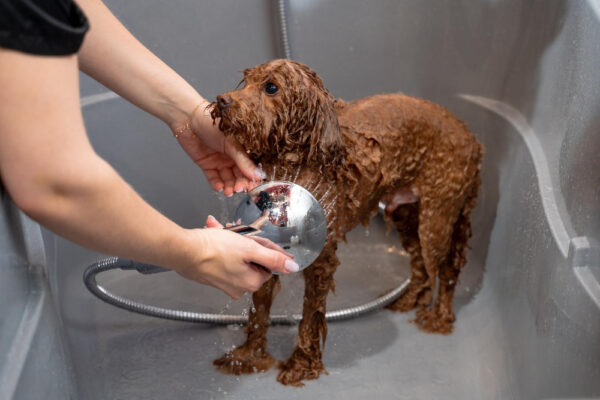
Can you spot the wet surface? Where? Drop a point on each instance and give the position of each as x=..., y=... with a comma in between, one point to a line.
x=372, y=264
x=137, y=357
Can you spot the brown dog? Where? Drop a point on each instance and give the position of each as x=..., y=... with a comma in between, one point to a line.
x=412, y=154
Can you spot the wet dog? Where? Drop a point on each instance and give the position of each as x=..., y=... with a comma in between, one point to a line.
x=409, y=153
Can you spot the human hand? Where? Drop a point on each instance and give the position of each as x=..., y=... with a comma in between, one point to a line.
x=225, y=164
x=226, y=260
x=211, y=222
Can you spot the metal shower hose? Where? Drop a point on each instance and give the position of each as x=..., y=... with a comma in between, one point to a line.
x=107, y=264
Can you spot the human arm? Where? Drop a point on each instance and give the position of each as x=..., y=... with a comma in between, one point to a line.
x=53, y=174
x=111, y=55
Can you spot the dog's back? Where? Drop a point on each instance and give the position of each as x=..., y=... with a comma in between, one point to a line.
x=401, y=143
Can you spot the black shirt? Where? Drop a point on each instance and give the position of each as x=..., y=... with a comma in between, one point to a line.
x=45, y=27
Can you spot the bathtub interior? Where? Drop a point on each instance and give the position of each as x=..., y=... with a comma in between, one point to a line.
x=522, y=75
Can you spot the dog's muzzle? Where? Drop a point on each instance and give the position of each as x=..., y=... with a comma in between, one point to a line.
x=224, y=101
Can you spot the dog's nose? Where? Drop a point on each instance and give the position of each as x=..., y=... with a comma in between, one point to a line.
x=224, y=101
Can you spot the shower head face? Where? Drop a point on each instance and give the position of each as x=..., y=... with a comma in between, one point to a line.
x=290, y=216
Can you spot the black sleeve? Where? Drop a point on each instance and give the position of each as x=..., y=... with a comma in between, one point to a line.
x=45, y=27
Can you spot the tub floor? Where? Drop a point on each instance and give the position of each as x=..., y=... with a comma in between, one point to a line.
x=382, y=354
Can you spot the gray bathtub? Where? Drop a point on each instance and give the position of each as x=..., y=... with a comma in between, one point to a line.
x=524, y=75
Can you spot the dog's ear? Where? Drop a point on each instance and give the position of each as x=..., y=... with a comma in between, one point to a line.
x=320, y=130
x=326, y=145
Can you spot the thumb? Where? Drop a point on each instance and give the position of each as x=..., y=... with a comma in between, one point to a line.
x=273, y=260
x=211, y=222
x=246, y=166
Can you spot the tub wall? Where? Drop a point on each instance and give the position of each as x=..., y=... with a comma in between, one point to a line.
x=34, y=362
x=525, y=64
x=543, y=57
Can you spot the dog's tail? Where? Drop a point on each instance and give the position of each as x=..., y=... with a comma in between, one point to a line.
x=462, y=228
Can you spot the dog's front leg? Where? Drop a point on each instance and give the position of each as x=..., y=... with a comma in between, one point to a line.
x=305, y=362
x=252, y=356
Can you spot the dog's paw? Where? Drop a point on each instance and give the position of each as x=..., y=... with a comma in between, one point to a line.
x=433, y=321
x=299, y=368
x=244, y=361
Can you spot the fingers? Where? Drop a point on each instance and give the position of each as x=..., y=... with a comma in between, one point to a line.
x=253, y=281
x=235, y=294
x=211, y=222
x=246, y=166
x=214, y=179
x=223, y=160
x=276, y=261
x=241, y=182
x=260, y=278
x=270, y=245
x=228, y=180
x=232, y=262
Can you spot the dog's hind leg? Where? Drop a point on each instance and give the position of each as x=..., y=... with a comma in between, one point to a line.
x=418, y=293
x=437, y=219
x=440, y=318
x=306, y=360
x=252, y=356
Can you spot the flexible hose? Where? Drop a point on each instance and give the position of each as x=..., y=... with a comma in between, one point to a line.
x=283, y=28
x=89, y=278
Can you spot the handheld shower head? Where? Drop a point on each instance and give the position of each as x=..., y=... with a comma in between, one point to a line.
x=288, y=215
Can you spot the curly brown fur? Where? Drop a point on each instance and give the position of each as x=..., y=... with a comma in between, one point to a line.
x=410, y=153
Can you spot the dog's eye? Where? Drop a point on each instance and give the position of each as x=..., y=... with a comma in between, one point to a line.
x=271, y=88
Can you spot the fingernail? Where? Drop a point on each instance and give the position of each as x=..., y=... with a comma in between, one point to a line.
x=240, y=190
x=211, y=217
x=291, y=266
x=259, y=173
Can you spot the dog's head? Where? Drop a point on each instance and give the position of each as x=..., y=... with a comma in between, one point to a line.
x=282, y=112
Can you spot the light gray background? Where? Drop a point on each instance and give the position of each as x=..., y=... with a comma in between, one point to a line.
x=527, y=328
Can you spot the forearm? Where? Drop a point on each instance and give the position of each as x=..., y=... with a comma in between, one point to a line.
x=111, y=55
x=51, y=171
x=90, y=204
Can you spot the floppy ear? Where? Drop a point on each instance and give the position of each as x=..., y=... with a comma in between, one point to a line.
x=321, y=123
x=326, y=145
